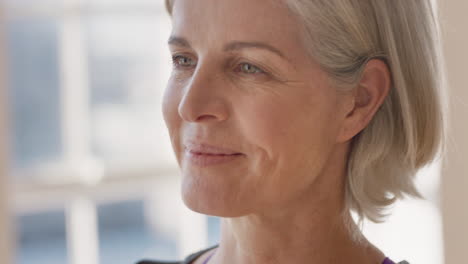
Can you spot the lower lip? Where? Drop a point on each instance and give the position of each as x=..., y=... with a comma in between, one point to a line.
x=204, y=160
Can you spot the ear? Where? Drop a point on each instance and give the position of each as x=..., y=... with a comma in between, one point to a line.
x=365, y=99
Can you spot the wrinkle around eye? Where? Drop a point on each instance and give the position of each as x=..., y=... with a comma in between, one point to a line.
x=265, y=70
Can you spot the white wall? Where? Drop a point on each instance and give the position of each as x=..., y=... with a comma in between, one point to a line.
x=454, y=173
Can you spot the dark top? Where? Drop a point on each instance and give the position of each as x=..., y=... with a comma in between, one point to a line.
x=188, y=260
x=192, y=257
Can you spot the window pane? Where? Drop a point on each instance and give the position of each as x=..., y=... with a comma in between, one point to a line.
x=41, y=238
x=125, y=235
x=34, y=90
x=128, y=68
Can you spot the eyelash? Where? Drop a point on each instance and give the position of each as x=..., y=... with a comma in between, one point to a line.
x=177, y=66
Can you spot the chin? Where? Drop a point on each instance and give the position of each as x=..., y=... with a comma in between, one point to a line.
x=207, y=202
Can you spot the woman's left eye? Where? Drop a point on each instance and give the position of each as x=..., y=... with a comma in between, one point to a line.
x=250, y=69
x=182, y=61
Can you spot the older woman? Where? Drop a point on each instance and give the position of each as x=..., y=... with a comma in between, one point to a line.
x=287, y=115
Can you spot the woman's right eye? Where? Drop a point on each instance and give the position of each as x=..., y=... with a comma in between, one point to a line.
x=182, y=61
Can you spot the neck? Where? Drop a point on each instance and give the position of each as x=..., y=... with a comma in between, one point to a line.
x=303, y=231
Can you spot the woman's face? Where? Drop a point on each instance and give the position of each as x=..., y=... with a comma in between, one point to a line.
x=242, y=81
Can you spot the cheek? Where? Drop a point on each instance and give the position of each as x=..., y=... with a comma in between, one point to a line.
x=169, y=105
x=169, y=108
x=170, y=102
x=287, y=126
x=292, y=140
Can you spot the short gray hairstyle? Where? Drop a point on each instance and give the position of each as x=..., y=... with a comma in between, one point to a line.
x=408, y=131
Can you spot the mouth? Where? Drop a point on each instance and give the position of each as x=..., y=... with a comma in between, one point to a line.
x=203, y=159
x=209, y=150
x=212, y=154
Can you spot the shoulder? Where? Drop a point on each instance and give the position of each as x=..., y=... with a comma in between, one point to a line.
x=188, y=260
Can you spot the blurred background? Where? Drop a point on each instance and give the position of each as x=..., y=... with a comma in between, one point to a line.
x=87, y=173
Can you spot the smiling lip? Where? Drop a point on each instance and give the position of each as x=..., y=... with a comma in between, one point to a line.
x=204, y=155
x=205, y=160
x=205, y=149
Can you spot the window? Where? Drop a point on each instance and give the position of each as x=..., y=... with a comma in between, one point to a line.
x=92, y=163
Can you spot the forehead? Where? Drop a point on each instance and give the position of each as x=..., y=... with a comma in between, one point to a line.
x=217, y=21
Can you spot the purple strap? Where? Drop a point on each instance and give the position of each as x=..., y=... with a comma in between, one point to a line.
x=206, y=261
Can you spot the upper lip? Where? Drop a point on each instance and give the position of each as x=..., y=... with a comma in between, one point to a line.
x=203, y=148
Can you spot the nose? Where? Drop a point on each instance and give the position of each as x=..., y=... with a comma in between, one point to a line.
x=202, y=99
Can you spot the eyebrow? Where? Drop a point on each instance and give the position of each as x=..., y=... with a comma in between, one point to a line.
x=232, y=46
